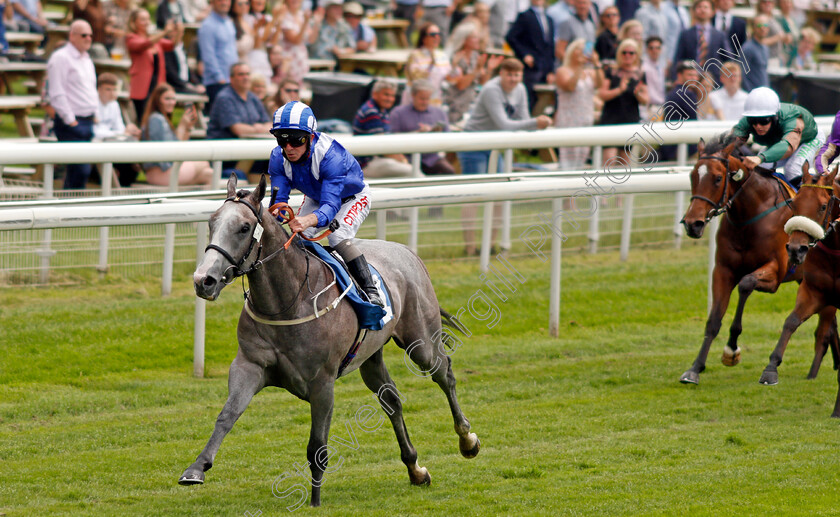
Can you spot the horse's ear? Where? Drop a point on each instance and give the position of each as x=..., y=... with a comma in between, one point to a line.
x=259, y=192
x=806, y=172
x=701, y=145
x=231, y=186
x=832, y=177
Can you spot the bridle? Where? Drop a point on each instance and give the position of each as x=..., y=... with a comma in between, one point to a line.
x=825, y=225
x=235, y=269
x=723, y=204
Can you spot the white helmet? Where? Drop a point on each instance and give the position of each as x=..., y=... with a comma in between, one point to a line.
x=762, y=102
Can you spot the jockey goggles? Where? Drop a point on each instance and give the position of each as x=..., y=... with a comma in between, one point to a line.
x=759, y=121
x=295, y=139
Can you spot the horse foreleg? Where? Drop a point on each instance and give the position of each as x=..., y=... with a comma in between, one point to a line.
x=377, y=379
x=822, y=339
x=836, y=412
x=244, y=380
x=806, y=305
x=765, y=279
x=317, y=453
x=722, y=285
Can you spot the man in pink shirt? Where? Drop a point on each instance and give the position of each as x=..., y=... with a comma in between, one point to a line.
x=72, y=91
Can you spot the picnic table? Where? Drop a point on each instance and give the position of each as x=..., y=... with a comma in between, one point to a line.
x=56, y=35
x=827, y=22
x=393, y=27
x=14, y=69
x=19, y=106
x=28, y=40
x=387, y=63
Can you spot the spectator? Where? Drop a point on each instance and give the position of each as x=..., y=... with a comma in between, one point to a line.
x=502, y=105
x=480, y=20
x=267, y=34
x=288, y=90
x=177, y=69
x=148, y=64
x=678, y=21
x=470, y=69
x=579, y=25
x=4, y=45
x=92, y=12
x=217, y=46
x=28, y=16
x=776, y=37
x=422, y=117
x=627, y=8
x=428, y=62
x=728, y=23
x=157, y=127
x=577, y=80
x=532, y=39
x=502, y=15
x=656, y=19
x=363, y=35
x=809, y=39
x=372, y=119
x=728, y=101
x=560, y=11
x=259, y=87
x=238, y=113
x=250, y=43
x=116, y=26
x=109, y=125
x=632, y=29
x=756, y=55
x=623, y=91
x=654, y=66
x=297, y=33
x=607, y=41
x=701, y=41
x=71, y=80
x=280, y=63
x=197, y=10
x=439, y=12
x=406, y=10
x=335, y=38
x=791, y=28
x=682, y=101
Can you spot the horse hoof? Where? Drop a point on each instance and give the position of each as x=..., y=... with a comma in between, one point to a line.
x=730, y=358
x=690, y=377
x=472, y=452
x=769, y=377
x=191, y=478
x=420, y=477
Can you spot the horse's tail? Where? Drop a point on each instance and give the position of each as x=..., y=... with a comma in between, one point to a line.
x=453, y=322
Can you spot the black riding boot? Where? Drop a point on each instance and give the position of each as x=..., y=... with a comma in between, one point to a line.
x=360, y=271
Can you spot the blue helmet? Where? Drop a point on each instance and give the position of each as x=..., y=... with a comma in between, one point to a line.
x=294, y=115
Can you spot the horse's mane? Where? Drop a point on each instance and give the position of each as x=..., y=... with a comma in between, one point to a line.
x=719, y=142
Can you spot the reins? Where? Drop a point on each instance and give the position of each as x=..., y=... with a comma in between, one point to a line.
x=825, y=225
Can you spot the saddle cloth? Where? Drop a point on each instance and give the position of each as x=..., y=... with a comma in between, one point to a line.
x=371, y=317
x=791, y=190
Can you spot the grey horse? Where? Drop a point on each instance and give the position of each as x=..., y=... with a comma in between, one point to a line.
x=282, y=344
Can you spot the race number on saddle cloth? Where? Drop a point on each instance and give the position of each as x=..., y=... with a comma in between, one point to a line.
x=761, y=108
x=332, y=181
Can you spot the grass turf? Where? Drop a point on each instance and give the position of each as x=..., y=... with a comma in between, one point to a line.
x=99, y=413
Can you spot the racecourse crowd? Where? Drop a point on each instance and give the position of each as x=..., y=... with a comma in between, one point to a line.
x=609, y=61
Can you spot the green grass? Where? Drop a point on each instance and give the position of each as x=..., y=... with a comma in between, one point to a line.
x=99, y=413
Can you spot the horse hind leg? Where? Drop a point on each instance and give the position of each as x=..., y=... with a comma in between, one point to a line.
x=823, y=339
x=376, y=378
x=244, y=381
x=430, y=356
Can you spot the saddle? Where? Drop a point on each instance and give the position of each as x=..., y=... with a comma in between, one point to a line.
x=371, y=317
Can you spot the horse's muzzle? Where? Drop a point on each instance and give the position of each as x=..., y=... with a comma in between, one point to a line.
x=694, y=229
x=796, y=253
x=206, y=286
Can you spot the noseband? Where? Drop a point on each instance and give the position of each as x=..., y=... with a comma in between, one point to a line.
x=235, y=269
x=826, y=225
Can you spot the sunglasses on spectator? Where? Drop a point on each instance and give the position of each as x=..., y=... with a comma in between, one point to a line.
x=88, y=35
x=654, y=47
x=628, y=52
x=760, y=25
x=287, y=90
x=295, y=141
x=610, y=15
x=432, y=34
x=759, y=121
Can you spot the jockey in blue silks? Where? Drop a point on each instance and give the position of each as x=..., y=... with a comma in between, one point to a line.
x=332, y=181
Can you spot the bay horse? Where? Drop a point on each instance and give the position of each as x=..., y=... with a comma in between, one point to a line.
x=751, y=240
x=295, y=331
x=816, y=210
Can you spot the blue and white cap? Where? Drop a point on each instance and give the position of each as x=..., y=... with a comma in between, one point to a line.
x=295, y=115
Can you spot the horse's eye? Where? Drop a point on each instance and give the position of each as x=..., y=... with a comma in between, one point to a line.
x=823, y=207
x=245, y=228
x=718, y=179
